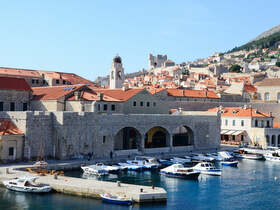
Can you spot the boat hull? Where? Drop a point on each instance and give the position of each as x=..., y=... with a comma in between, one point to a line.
x=228, y=163
x=44, y=189
x=181, y=175
x=272, y=159
x=116, y=201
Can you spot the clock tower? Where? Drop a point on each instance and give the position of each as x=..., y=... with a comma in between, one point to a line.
x=116, y=73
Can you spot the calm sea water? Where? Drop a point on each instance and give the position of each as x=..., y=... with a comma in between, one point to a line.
x=251, y=185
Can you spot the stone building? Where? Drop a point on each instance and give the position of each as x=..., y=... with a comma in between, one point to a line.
x=15, y=94
x=156, y=61
x=269, y=90
x=116, y=73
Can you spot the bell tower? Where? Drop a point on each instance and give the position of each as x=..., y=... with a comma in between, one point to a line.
x=116, y=73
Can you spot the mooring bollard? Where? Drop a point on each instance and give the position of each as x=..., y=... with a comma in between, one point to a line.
x=141, y=190
x=55, y=176
x=7, y=171
x=153, y=187
x=118, y=183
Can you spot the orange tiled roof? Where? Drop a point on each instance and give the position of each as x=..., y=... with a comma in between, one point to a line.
x=8, y=128
x=55, y=92
x=270, y=82
x=249, y=88
x=240, y=112
x=12, y=83
x=19, y=72
x=192, y=93
x=91, y=95
x=276, y=124
x=119, y=93
x=156, y=90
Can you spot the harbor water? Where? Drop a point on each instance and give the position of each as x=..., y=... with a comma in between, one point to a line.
x=251, y=185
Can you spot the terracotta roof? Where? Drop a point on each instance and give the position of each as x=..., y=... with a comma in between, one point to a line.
x=192, y=93
x=250, y=88
x=18, y=72
x=270, y=82
x=240, y=112
x=119, y=93
x=55, y=92
x=156, y=90
x=12, y=83
x=173, y=110
x=91, y=95
x=276, y=124
x=8, y=128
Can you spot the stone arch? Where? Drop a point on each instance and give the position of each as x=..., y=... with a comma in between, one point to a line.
x=157, y=137
x=267, y=140
x=273, y=140
x=127, y=138
x=119, y=74
x=183, y=136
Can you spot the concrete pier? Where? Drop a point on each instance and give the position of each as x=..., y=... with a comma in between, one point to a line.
x=92, y=188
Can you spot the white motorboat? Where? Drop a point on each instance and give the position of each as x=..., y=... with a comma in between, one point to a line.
x=202, y=157
x=145, y=162
x=252, y=156
x=272, y=156
x=180, y=160
x=178, y=170
x=109, y=169
x=130, y=166
x=207, y=168
x=94, y=170
x=26, y=184
x=225, y=156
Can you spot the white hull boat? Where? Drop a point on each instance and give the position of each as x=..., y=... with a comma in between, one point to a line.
x=145, y=162
x=130, y=167
x=272, y=156
x=178, y=170
x=109, y=169
x=180, y=160
x=26, y=184
x=94, y=170
x=207, y=168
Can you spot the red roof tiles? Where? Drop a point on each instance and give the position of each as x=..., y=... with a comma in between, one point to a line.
x=192, y=93
x=8, y=128
x=12, y=83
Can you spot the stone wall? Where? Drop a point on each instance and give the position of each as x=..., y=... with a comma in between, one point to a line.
x=17, y=96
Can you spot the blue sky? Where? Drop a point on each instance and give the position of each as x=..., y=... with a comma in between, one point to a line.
x=83, y=36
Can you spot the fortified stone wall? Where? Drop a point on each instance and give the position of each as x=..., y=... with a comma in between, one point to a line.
x=203, y=106
x=17, y=96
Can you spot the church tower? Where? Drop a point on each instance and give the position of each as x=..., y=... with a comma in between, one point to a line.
x=116, y=73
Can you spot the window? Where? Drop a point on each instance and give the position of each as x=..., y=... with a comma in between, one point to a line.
x=242, y=122
x=134, y=103
x=278, y=96
x=226, y=122
x=266, y=96
x=141, y=103
x=242, y=138
x=24, y=106
x=104, y=139
x=233, y=138
x=64, y=82
x=262, y=124
x=11, y=151
x=148, y=103
x=98, y=107
x=113, y=107
x=267, y=123
x=154, y=104
x=1, y=106
x=233, y=122
x=105, y=107
x=12, y=106
x=57, y=81
x=44, y=82
x=256, y=123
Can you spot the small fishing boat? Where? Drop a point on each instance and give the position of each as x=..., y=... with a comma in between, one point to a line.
x=145, y=162
x=207, y=168
x=180, y=160
x=94, y=170
x=116, y=199
x=229, y=163
x=26, y=184
x=252, y=156
x=130, y=167
x=178, y=170
x=164, y=162
x=272, y=156
x=109, y=169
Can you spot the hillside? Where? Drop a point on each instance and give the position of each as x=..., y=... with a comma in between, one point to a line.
x=268, y=39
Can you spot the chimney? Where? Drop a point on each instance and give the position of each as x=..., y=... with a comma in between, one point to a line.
x=245, y=107
x=125, y=87
x=100, y=96
x=205, y=94
x=270, y=114
x=181, y=110
x=77, y=95
x=183, y=93
x=221, y=107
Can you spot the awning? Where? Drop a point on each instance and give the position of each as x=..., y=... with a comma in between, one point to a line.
x=231, y=132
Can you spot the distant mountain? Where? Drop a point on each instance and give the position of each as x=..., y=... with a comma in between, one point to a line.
x=267, y=33
x=268, y=39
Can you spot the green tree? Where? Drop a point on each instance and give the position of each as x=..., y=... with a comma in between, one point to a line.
x=277, y=63
x=235, y=68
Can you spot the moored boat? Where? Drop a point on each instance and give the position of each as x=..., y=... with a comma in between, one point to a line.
x=207, y=168
x=130, y=167
x=229, y=163
x=116, y=199
x=94, y=170
x=109, y=169
x=272, y=156
x=180, y=160
x=178, y=170
x=145, y=162
x=26, y=184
